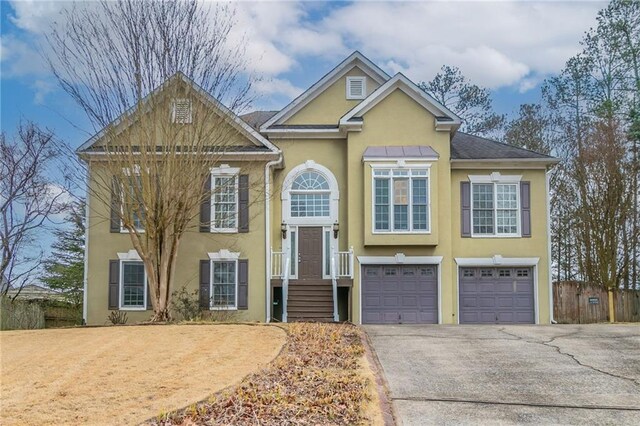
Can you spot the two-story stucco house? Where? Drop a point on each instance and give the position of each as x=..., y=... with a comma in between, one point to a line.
x=369, y=205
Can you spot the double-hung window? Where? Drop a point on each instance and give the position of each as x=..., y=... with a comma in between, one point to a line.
x=495, y=209
x=132, y=204
x=224, y=200
x=401, y=200
x=224, y=284
x=133, y=285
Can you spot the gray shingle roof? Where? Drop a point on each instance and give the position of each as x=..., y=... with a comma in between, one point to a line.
x=255, y=119
x=469, y=147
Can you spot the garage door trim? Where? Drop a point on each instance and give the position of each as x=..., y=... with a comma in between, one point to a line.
x=401, y=259
x=497, y=262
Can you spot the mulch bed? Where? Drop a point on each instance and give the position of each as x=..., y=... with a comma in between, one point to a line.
x=315, y=380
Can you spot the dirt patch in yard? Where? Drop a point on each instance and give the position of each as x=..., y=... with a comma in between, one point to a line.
x=321, y=378
x=124, y=375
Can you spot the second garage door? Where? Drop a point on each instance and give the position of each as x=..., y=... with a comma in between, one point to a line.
x=393, y=294
x=496, y=296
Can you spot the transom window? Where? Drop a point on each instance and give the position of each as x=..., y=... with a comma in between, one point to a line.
x=133, y=285
x=495, y=208
x=310, y=195
x=224, y=284
x=401, y=200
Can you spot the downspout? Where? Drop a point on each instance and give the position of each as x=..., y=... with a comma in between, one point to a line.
x=85, y=280
x=550, y=278
x=267, y=229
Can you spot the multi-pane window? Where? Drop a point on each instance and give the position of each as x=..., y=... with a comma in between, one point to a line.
x=132, y=204
x=401, y=200
x=225, y=202
x=223, y=284
x=495, y=208
x=133, y=285
x=310, y=196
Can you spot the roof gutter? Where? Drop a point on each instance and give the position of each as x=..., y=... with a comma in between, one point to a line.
x=267, y=230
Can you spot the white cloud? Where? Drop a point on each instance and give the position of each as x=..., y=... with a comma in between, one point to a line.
x=495, y=44
x=42, y=88
x=276, y=86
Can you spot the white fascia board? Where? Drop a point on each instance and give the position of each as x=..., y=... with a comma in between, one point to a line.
x=355, y=59
x=497, y=260
x=400, y=259
x=306, y=133
x=399, y=81
x=400, y=162
x=495, y=177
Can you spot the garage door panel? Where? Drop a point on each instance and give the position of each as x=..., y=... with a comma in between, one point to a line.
x=496, y=295
x=399, y=294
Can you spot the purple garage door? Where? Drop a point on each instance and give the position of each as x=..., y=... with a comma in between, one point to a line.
x=496, y=296
x=405, y=294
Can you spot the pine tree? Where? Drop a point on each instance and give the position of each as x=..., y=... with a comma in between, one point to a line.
x=64, y=269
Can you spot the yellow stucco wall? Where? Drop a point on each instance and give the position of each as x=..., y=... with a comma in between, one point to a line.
x=194, y=246
x=332, y=103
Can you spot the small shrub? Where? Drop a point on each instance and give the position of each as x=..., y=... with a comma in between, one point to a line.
x=117, y=317
x=20, y=315
x=220, y=315
x=187, y=304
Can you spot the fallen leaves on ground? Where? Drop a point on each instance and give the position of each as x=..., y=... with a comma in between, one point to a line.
x=316, y=380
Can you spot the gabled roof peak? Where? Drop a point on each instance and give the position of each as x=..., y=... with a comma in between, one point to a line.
x=354, y=59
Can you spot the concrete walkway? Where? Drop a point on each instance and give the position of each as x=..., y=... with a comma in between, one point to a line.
x=560, y=374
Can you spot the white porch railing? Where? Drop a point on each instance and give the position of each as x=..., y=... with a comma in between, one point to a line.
x=345, y=264
x=276, y=263
x=285, y=289
x=334, y=284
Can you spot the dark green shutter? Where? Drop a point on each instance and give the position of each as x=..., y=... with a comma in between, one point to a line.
x=205, y=284
x=114, y=284
x=243, y=203
x=243, y=284
x=205, y=207
x=114, y=222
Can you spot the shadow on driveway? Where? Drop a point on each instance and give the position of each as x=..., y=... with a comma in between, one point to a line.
x=480, y=374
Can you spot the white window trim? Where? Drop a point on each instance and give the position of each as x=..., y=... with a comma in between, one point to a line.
x=334, y=198
x=217, y=257
x=130, y=258
x=364, y=87
x=497, y=261
x=400, y=166
x=401, y=259
x=495, y=179
x=224, y=171
x=174, y=119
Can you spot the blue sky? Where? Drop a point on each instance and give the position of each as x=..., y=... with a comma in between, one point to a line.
x=508, y=46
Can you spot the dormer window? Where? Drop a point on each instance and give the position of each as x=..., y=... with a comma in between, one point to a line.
x=181, y=111
x=356, y=87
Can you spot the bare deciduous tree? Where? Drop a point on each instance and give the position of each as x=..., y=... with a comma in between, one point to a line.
x=151, y=77
x=27, y=199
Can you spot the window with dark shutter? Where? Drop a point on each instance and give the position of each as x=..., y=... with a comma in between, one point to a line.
x=205, y=284
x=114, y=284
x=465, y=205
x=525, y=208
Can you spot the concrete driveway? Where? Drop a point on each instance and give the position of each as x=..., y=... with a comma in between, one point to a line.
x=560, y=374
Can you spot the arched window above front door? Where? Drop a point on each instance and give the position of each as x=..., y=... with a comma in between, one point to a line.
x=310, y=195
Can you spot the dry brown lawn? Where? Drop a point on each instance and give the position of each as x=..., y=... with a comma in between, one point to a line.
x=124, y=375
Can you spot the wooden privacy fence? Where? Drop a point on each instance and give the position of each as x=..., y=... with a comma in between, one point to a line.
x=580, y=303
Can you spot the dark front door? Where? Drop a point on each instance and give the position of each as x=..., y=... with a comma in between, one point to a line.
x=309, y=253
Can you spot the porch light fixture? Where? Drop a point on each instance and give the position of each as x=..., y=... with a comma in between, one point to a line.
x=335, y=230
x=283, y=229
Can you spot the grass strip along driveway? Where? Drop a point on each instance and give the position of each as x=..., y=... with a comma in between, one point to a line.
x=321, y=377
x=124, y=375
